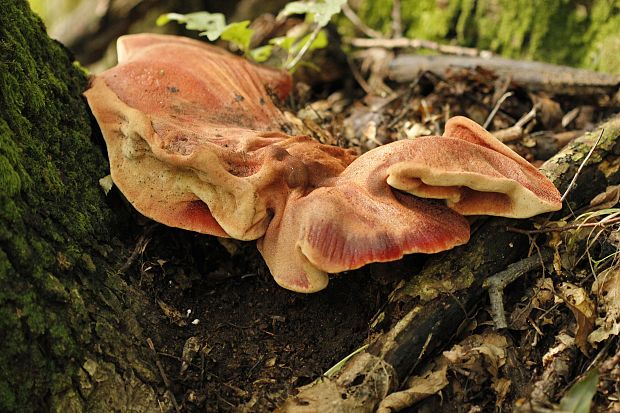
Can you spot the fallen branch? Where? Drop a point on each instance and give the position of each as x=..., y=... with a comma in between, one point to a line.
x=405, y=43
x=535, y=76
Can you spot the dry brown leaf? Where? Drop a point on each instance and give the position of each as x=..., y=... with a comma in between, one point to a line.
x=478, y=359
x=555, y=242
x=607, y=290
x=501, y=386
x=190, y=349
x=467, y=354
x=495, y=356
x=541, y=297
x=606, y=199
x=564, y=341
x=420, y=387
x=544, y=293
x=549, y=111
x=582, y=307
x=172, y=313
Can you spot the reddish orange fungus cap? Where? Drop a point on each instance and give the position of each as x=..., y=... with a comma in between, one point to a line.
x=195, y=142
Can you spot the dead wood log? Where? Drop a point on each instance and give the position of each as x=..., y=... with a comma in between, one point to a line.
x=449, y=289
x=535, y=76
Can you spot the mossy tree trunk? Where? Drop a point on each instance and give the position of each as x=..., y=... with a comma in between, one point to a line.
x=69, y=334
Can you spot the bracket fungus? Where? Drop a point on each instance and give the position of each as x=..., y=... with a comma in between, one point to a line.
x=196, y=142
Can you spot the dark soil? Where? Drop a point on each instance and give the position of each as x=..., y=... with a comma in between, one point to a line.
x=255, y=341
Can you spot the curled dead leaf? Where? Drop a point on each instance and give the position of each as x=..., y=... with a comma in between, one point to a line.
x=582, y=307
x=479, y=354
x=607, y=199
x=501, y=386
x=190, y=349
x=564, y=341
x=607, y=290
x=419, y=388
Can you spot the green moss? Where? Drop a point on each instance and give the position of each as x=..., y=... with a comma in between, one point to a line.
x=49, y=203
x=604, y=52
x=570, y=32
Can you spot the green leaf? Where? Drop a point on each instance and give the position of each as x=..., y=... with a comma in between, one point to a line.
x=319, y=43
x=239, y=34
x=338, y=366
x=578, y=398
x=319, y=11
x=261, y=54
x=163, y=19
x=210, y=24
x=284, y=42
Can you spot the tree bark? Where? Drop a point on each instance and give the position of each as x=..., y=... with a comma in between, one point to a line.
x=449, y=288
x=70, y=338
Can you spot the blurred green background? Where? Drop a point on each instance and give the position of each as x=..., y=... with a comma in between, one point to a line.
x=581, y=33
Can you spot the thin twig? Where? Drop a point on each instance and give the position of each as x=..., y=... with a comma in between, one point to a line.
x=516, y=131
x=358, y=77
x=358, y=23
x=305, y=48
x=138, y=249
x=164, y=377
x=402, y=42
x=405, y=97
x=565, y=227
x=585, y=161
x=496, y=108
x=397, y=27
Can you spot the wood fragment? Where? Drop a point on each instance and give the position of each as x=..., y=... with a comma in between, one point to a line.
x=501, y=100
x=496, y=283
